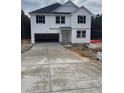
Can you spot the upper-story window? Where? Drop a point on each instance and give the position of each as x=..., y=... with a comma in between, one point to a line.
x=60, y=19
x=57, y=19
x=40, y=19
x=81, y=19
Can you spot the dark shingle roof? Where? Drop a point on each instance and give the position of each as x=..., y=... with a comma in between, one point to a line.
x=47, y=9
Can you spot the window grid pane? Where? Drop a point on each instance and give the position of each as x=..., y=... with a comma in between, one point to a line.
x=60, y=19
x=40, y=19
x=83, y=33
x=82, y=19
x=57, y=19
x=78, y=34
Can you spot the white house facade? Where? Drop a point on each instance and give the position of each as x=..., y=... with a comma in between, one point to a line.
x=61, y=23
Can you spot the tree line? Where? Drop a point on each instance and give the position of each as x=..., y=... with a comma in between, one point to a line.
x=25, y=26
x=96, y=26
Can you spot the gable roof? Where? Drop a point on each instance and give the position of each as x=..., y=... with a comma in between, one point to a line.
x=51, y=9
x=86, y=9
x=68, y=2
x=83, y=7
x=47, y=9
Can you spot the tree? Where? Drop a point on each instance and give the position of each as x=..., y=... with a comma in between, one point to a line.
x=96, y=27
x=25, y=26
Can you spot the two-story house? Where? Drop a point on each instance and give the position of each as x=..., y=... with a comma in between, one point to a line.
x=61, y=23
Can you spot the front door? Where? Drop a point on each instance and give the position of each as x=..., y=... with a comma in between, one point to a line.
x=65, y=36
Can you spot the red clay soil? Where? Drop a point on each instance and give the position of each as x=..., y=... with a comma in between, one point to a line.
x=95, y=41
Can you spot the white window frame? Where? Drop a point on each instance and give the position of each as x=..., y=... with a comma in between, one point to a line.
x=81, y=34
x=60, y=19
x=83, y=20
x=40, y=19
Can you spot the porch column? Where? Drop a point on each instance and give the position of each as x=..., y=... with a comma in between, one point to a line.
x=60, y=36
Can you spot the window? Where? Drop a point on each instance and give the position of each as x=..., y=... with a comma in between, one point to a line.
x=81, y=19
x=60, y=19
x=81, y=34
x=78, y=34
x=40, y=19
x=57, y=19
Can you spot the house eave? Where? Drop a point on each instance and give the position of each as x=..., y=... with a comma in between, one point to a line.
x=49, y=13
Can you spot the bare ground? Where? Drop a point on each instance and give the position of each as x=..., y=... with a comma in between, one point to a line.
x=25, y=45
x=84, y=51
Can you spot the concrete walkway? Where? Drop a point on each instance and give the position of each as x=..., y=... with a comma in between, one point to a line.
x=50, y=68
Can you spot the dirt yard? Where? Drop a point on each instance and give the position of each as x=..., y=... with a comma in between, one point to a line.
x=84, y=51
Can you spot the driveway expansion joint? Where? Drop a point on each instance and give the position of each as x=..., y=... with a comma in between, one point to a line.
x=49, y=70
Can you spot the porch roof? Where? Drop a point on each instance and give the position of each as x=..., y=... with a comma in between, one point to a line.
x=65, y=28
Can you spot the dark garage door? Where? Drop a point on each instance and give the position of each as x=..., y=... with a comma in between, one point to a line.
x=46, y=37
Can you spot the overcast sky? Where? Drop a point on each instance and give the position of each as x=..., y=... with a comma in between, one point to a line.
x=95, y=6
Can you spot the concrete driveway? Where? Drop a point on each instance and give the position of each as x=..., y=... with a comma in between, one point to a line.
x=50, y=68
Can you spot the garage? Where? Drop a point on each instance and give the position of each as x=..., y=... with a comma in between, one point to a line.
x=46, y=38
